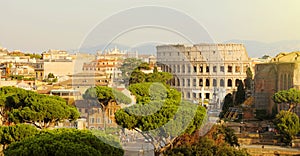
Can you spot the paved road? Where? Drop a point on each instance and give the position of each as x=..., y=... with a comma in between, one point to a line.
x=139, y=148
x=271, y=147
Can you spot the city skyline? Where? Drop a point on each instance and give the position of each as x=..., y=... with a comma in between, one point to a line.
x=37, y=26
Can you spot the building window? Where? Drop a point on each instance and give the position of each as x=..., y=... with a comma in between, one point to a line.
x=237, y=69
x=221, y=68
x=178, y=82
x=188, y=95
x=201, y=69
x=207, y=69
x=188, y=82
x=229, y=83
x=229, y=70
x=174, y=68
x=183, y=68
x=189, y=69
x=194, y=82
x=206, y=95
x=200, y=95
x=200, y=82
x=214, y=69
x=194, y=95
x=178, y=68
x=207, y=82
x=195, y=69
x=92, y=120
x=214, y=82
x=222, y=83
x=183, y=82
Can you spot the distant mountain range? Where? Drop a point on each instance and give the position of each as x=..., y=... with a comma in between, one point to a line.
x=254, y=48
x=258, y=49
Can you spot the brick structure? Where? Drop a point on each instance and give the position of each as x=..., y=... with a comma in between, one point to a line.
x=281, y=73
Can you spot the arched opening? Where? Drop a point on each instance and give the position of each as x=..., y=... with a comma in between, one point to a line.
x=214, y=82
x=222, y=82
x=207, y=82
x=229, y=83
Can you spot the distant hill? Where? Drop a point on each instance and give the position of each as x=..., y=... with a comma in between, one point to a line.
x=254, y=48
x=149, y=48
x=258, y=49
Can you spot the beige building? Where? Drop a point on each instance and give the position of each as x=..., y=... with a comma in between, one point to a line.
x=55, y=55
x=57, y=62
x=204, y=72
x=96, y=117
x=281, y=73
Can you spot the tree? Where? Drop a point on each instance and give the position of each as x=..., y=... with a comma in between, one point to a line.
x=162, y=77
x=248, y=79
x=228, y=102
x=33, y=55
x=266, y=56
x=62, y=142
x=137, y=76
x=51, y=75
x=290, y=97
x=240, y=94
x=288, y=125
x=228, y=135
x=105, y=95
x=128, y=67
x=10, y=134
x=22, y=106
x=206, y=146
x=159, y=115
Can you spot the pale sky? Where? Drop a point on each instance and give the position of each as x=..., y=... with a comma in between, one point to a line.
x=36, y=26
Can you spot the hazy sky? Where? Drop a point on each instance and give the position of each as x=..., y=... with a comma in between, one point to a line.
x=35, y=25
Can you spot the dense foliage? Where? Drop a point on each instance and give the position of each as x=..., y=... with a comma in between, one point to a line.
x=33, y=55
x=290, y=97
x=228, y=102
x=62, y=142
x=220, y=140
x=159, y=114
x=10, y=134
x=207, y=147
x=22, y=106
x=240, y=93
x=131, y=72
x=248, y=79
x=106, y=94
x=288, y=125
